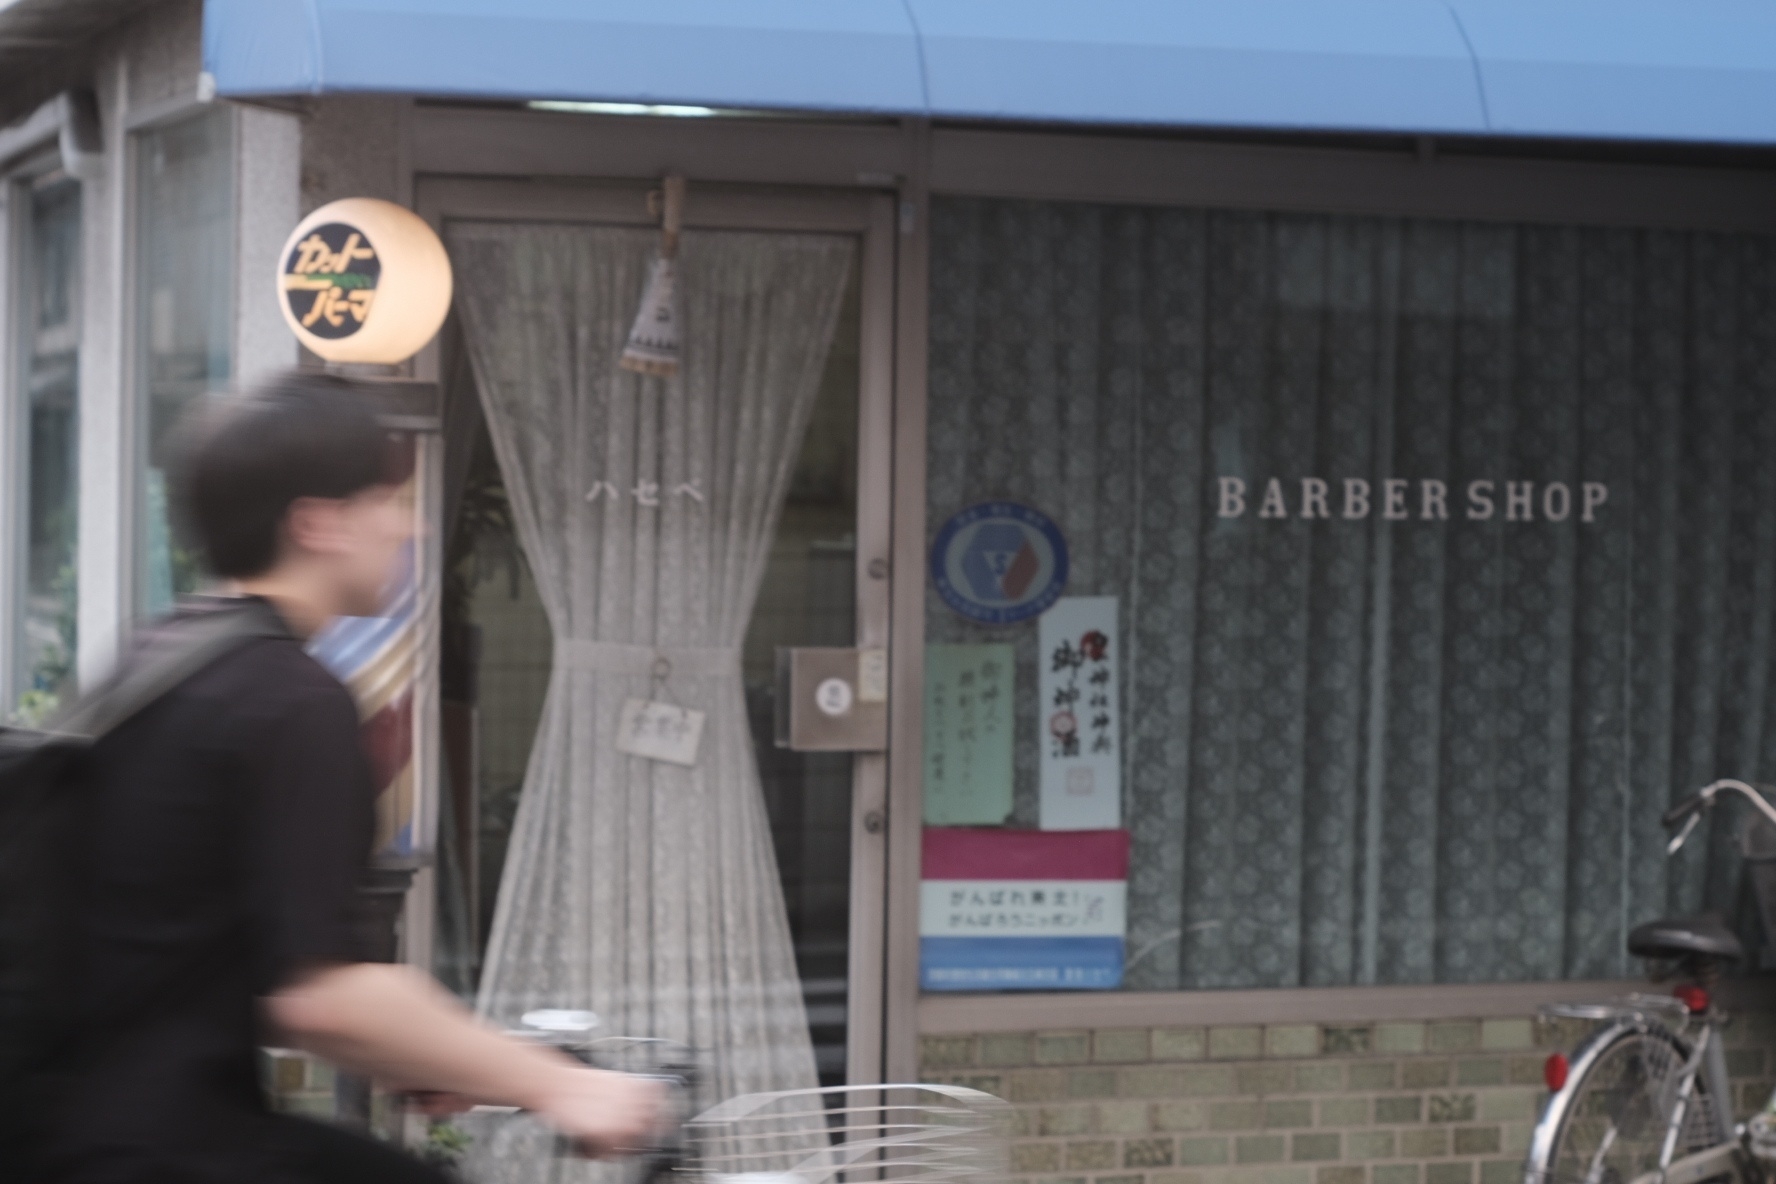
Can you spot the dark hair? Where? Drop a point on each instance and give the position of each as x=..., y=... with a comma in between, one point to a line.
x=244, y=460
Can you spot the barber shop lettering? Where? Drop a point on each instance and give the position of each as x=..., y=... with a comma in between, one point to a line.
x=1426, y=499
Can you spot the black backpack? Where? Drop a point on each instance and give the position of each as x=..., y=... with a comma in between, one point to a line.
x=42, y=802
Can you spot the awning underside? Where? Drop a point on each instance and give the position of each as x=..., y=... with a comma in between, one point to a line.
x=45, y=47
x=1673, y=70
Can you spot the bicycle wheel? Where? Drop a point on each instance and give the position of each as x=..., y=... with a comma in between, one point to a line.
x=1612, y=1123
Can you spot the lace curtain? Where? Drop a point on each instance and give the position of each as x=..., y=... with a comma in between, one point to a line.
x=1372, y=749
x=645, y=891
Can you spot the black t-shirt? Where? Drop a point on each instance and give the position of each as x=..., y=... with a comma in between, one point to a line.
x=230, y=826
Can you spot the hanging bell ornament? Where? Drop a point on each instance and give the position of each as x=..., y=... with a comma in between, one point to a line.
x=653, y=345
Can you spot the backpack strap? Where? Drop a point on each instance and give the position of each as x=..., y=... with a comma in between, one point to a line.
x=166, y=656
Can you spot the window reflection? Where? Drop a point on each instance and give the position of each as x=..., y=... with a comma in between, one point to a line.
x=184, y=240
x=49, y=334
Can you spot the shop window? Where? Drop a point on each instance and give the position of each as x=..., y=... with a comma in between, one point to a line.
x=1440, y=555
x=46, y=420
x=184, y=256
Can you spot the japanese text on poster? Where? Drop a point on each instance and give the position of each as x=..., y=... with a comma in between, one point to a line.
x=1073, y=908
x=968, y=734
x=1080, y=721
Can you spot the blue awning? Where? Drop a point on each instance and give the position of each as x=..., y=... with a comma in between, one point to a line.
x=1678, y=70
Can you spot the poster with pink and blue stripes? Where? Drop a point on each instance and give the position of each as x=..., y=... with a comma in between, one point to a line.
x=1022, y=910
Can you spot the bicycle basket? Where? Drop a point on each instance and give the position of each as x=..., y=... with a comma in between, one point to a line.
x=930, y=1134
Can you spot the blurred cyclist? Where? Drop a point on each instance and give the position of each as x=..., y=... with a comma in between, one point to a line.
x=231, y=822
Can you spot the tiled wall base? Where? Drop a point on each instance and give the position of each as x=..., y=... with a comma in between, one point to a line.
x=1450, y=1102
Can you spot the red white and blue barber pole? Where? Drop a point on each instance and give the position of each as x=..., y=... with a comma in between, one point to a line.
x=1008, y=910
x=380, y=660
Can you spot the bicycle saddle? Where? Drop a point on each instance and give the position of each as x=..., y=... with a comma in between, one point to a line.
x=1685, y=937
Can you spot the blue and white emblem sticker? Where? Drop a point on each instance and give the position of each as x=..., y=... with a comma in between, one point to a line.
x=999, y=562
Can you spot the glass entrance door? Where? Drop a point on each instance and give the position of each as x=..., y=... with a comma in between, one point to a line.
x=501, y=654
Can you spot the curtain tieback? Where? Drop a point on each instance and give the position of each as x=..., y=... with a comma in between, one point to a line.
x=615, y=657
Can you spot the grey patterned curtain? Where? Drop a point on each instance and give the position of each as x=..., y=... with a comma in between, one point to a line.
x=1370, y=749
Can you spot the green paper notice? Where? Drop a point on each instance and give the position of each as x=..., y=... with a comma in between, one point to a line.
x=968, y=734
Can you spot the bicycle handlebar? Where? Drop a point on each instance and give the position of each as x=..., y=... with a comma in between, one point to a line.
x=674, y=1066
x=1689, y=811
x=1690, y=805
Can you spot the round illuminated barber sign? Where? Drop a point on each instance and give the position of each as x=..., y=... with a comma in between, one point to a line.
x=364, y=280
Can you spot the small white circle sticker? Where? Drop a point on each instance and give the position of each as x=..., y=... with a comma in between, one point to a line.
x=833, y=696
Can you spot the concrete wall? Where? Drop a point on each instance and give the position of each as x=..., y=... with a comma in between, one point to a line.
x=355, y=146
x=268, y=154
x=1450, y=1102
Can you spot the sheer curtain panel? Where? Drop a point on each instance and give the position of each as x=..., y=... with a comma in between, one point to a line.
x=646, y=891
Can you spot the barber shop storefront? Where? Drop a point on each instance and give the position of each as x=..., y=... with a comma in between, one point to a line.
x=1167, y=575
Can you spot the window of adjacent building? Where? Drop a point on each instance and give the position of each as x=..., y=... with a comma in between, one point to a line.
x=184, y=246
x=46, y=426
x=1441, y=554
